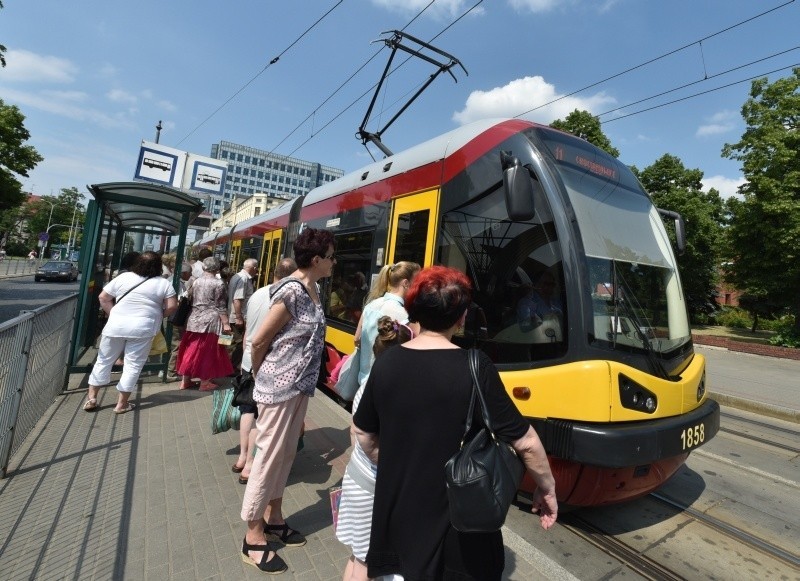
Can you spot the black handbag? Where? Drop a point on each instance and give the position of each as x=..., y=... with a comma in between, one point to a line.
x=243, y=385
x=181, y=314
x=484, y=475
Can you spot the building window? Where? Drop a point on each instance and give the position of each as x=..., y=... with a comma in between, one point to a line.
x=238, y=157
x=247, y=159
x=256, y=211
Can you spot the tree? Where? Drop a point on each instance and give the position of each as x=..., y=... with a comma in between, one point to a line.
x=764, y=233
x=677, y=188
x=586, y=126
x=64, y=207
x=2, y=48
x=15, y=158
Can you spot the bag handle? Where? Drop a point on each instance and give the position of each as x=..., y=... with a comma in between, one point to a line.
x=472, y=356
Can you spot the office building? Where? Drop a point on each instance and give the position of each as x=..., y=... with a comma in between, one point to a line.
x=252, y=171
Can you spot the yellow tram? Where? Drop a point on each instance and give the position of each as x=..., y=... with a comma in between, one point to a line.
x=607, y=373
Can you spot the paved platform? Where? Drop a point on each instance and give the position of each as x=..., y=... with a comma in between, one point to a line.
x=150, y=495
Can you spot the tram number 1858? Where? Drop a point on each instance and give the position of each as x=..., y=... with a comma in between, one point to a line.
x=693, y=436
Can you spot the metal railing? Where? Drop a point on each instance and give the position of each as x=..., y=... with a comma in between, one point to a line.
x=18, y=266
x=34, y=352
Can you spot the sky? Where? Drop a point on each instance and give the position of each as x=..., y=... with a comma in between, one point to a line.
x=93, y=78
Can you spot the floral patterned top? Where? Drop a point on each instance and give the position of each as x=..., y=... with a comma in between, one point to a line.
x=291, y=366
x=209, y=301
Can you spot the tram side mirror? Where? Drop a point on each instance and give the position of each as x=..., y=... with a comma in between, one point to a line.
x=518, y=188
x=680, y=228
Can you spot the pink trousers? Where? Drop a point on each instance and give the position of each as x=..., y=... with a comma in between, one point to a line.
x=278, y=429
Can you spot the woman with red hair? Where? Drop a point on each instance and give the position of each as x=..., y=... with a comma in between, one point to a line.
x=418, y=418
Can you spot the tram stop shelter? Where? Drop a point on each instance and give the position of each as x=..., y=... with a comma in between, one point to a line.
x=119, y=214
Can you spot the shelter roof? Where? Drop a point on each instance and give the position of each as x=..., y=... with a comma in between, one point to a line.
x=137, y=205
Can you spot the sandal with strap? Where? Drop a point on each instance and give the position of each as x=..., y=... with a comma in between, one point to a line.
x=90, y=405
x=273, y=566
x=284, y=534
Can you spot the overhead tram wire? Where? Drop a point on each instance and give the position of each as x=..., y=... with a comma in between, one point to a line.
x=658, y=58
x=268, y=65
x=346, y=81
x=703, y=93
x=357, y=99
x=706, y=78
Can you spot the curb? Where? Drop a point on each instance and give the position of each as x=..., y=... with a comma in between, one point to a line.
x=764, y=409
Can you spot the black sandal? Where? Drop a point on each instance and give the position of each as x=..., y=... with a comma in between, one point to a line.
x=274, y=566
x=284, y=534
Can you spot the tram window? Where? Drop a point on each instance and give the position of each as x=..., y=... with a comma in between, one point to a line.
x=519, y=309
x=345, y=291
x=412, y=236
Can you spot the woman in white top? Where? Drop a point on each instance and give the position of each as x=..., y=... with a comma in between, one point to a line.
x=386, y=298
x=136, y=302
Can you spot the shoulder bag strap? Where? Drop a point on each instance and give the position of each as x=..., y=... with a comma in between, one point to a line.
x=473, y=366
x=129, y=290
x=280, y=284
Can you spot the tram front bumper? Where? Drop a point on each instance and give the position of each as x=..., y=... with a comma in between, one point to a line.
x=616, y=445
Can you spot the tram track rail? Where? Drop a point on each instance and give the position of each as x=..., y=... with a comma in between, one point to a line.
x=795, y=434
x=627, y=555
x=735, y=533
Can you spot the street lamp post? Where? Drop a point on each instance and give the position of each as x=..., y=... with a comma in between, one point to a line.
x=49, y=219
x=73, y=225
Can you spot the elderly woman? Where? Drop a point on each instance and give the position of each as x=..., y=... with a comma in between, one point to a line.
x=286, y=353
x=135, y=302
x=200, y=354
x=426, y=383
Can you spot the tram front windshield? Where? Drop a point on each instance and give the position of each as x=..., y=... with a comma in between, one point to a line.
x=520, y=314
x=637, y=300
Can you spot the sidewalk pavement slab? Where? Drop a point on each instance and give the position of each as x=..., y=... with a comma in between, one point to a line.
x=150, y=494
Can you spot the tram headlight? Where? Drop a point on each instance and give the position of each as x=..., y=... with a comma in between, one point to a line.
x=634, y=396
x=701, y=389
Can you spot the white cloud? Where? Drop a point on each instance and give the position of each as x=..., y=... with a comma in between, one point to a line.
x=721, y=122
x=107, y=70
x=166, y=105
x=727, y=187
x=75, y=96
x=521, y=95
x=442, y=8
x=533, y=5
x=63, y=108
x=26, y=66
x=120, y=96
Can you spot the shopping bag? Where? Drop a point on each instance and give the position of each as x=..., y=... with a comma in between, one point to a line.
x=347, y=385
x=159, y=345
x=224, y=415
x=336, y=498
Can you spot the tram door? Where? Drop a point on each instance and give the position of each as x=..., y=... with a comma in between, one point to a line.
x=413, y=228
x=270, y=255
x=236, y=253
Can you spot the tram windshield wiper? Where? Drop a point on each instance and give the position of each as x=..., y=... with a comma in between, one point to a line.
x=624, y=297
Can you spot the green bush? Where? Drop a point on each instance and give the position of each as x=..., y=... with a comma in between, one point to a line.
x=734, y=317
x=785, y=335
